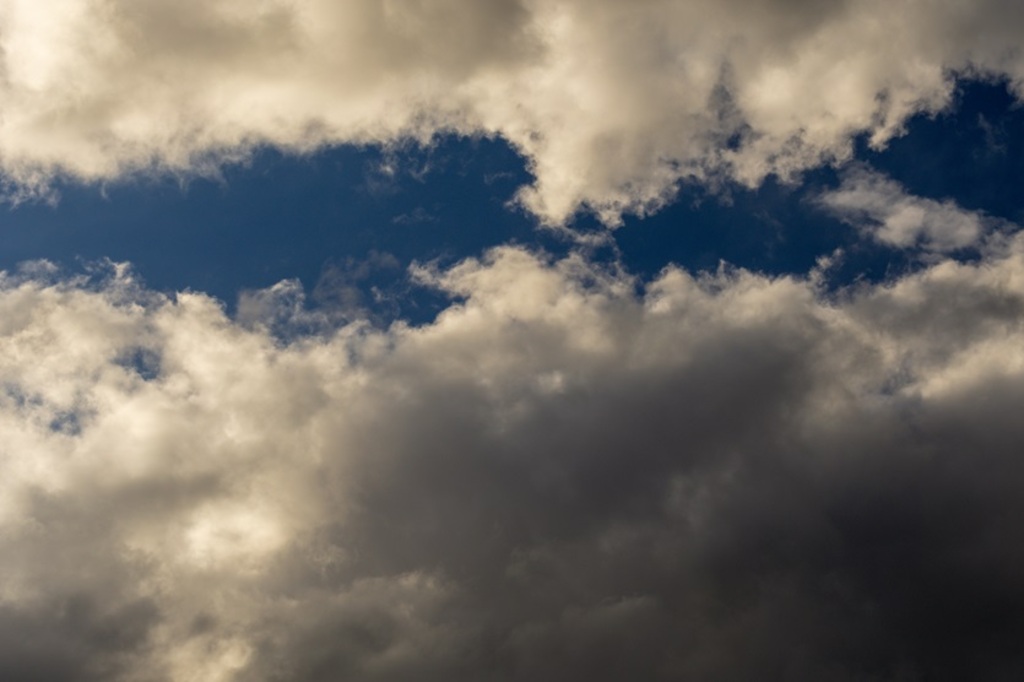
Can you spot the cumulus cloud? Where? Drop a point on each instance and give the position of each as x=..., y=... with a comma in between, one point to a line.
x=725, y=476
x=885, y=211
x=611, y=103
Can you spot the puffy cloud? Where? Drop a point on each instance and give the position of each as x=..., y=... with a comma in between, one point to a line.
x=726, y=476
x=611, y=103
x=884, y=210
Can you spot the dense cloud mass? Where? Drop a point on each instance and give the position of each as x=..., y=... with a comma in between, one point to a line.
x=569, y=475
x=612, y=103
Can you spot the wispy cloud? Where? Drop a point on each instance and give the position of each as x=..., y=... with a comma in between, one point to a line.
x=884, y=210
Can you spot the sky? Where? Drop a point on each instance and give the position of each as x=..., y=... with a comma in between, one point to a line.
x=511, y=340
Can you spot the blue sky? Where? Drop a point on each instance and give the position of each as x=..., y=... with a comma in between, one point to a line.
x=279, y=216
x=518, y=340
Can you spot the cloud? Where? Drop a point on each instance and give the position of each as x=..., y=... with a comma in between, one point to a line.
x=611, y=103
x=725, y=476
x=883, y=209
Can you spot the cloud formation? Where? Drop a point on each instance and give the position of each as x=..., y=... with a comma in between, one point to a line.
x=883, y=210
x=726, y=476
x=611, y=103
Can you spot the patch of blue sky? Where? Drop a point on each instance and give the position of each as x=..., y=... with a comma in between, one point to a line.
x=349, y=221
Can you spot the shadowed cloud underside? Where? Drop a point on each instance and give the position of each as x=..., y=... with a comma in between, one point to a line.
x=725, y=477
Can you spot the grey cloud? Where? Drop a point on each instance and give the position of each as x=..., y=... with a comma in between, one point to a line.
x=728, y=477
x=611, y=103
x=59, y=640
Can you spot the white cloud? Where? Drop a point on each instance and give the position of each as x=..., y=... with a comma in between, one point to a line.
x=883, y=209
x=612, y=103
x=557, y=479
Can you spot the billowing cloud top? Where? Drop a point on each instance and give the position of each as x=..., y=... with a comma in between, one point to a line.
x=611, y=102
x=726, y=477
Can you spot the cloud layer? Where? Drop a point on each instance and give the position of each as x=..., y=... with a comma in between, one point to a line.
x=723, y=477
x=611, y=103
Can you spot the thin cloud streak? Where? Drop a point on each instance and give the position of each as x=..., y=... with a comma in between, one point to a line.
x=884, y=211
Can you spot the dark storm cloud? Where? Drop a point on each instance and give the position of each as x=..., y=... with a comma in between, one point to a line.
x=730, y=477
